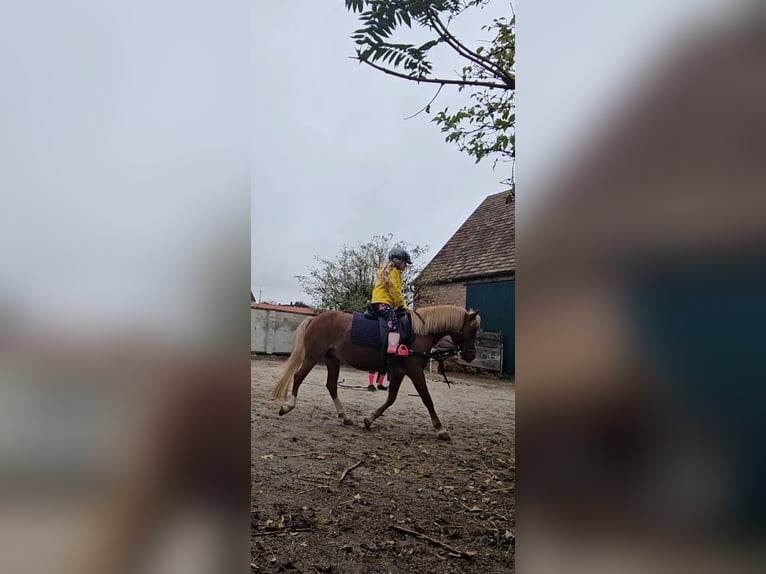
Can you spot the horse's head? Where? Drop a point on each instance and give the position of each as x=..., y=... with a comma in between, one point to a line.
x=465, y=339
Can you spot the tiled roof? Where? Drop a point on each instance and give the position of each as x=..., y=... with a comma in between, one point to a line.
x=484, y=246
x=287, y=308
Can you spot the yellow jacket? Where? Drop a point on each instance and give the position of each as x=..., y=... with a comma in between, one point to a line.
x=391, y=294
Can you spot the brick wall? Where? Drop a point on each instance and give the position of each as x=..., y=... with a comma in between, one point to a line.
x=445, y=294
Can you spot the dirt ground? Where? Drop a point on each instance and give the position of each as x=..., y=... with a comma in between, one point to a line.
x=304, y=518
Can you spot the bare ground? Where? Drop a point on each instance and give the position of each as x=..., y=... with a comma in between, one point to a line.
x=460, y=493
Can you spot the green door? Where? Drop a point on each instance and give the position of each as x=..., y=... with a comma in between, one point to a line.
x=496, y=302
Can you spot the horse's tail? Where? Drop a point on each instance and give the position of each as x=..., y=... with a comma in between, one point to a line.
x=297, y=354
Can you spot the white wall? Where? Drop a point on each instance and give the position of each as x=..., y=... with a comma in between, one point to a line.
x=271, y=332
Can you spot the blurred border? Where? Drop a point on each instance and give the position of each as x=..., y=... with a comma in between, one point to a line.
x=124, y=321
x=640, y=244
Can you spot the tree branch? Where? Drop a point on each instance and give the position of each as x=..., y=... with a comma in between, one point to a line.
x=428, y=105
x=480, y=61
x=420, y=79
x=455, y=44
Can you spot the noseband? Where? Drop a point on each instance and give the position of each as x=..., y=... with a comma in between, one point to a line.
x=459, y=347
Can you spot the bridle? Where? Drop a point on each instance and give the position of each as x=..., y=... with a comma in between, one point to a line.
x=442, y=354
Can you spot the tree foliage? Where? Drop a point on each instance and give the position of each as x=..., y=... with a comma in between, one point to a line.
x=345, y=282
x=485, y=126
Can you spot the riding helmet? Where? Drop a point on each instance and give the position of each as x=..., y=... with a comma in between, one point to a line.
x=400, y=253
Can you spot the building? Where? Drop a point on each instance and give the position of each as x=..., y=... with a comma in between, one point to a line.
x=272, y=327
x=476, y=268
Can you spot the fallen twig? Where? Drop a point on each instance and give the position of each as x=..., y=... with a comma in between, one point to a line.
x=280, y=531
x=500, y=490
x=314, y=479
x=307, y=453
x=357, y=387
x=346, y=471
x=463, y=553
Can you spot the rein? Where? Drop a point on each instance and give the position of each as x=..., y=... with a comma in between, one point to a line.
x=440, y=355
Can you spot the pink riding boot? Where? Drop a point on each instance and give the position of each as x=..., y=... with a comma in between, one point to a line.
x=394, y=348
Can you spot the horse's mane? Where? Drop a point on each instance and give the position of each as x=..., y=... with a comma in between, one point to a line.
x=438, y=319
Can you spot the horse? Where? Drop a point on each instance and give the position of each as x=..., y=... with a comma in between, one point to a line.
x=328, y=336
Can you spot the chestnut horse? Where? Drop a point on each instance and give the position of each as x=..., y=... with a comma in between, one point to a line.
x=328, y=337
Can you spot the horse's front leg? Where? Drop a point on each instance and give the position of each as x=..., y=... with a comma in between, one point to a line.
x=393, y=390
x=419, y=381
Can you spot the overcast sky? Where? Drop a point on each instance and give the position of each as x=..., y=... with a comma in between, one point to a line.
x=125, y=139
x=334, y=160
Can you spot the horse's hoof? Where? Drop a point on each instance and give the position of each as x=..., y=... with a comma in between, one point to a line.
x=282, y=411
x=367, y=423
x=444, y=435
x=348, y=422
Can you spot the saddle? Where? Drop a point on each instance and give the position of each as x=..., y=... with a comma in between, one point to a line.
x=375, y=334
x=405, y=325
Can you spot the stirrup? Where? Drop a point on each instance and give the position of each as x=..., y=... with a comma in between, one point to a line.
x=403, y=351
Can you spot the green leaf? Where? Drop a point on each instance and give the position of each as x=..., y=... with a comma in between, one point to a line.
x=485, y=125
x=428, y=45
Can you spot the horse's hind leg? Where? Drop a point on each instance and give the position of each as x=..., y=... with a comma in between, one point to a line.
x=393, y=390
x=333, y=372
x=419, y=381
x=300, y=374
